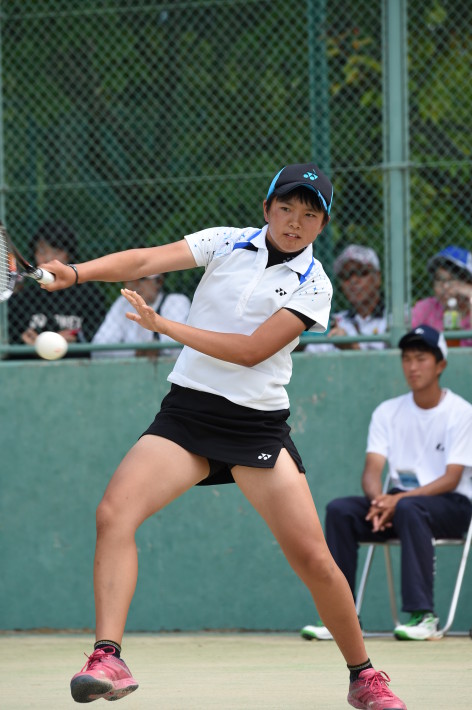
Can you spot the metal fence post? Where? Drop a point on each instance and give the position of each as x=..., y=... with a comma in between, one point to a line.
x=396, y=156
x=319, y=108
x=3, y=306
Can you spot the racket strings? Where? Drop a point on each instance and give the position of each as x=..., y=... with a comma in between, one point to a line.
x=8, y=269
x=4, y=265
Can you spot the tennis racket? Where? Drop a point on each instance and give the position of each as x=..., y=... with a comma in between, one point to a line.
x=13, y=265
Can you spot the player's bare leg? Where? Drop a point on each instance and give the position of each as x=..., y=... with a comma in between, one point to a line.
x=152, y=474
x=284, y=500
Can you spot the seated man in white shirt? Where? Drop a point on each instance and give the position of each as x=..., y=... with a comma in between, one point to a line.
x=116, y=328
x=425, y=436
x=358, y=271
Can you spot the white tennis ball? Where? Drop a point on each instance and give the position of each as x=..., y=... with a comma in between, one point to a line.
x=50, y=346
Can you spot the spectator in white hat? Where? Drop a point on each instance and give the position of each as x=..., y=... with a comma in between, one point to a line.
x=358, y=271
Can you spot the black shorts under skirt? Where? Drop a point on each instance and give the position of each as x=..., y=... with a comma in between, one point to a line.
x=225, y=433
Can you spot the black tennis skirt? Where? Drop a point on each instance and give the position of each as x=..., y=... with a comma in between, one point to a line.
x=225, y=433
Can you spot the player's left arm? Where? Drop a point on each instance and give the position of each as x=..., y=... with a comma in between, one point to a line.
x=274, y=334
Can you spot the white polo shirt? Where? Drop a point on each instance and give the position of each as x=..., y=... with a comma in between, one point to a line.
x=236, y=295
x=419, y=443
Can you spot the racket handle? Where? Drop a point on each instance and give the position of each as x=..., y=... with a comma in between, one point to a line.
x=43, y=276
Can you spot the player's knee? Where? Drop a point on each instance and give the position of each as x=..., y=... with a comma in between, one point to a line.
x=105, y=514
x=315, y=562
x=326, y=571
x=115, y=518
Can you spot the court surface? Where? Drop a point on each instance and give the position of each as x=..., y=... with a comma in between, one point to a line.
x=237, y=671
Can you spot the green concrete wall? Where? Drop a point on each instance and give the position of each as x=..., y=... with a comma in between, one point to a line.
x=207, y=561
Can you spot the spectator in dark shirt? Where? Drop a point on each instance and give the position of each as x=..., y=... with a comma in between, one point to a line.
x=75, y=314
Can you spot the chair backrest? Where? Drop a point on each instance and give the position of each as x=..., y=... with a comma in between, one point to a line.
x=465, y=541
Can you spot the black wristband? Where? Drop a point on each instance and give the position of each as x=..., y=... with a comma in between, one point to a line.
x=73, y=266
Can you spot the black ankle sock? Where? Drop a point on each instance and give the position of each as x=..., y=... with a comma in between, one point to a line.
x=355, y=670
x=104, y=644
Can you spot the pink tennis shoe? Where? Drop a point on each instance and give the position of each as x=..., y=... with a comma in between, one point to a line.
x=103, y=676
x=371, y=692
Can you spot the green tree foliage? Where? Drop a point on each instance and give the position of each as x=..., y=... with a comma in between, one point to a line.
x=138, y=122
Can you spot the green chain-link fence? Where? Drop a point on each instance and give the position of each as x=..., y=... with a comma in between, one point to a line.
x=135, y=123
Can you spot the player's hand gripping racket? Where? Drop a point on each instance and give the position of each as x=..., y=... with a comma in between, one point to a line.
x=10, y=258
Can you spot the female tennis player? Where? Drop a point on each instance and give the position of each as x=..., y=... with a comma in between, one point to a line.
x=224, y=418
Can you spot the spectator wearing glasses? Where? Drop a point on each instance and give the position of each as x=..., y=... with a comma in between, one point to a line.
x=358, y=271
x=451, y=270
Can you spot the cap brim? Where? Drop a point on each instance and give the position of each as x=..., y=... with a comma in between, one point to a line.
x=293, y=186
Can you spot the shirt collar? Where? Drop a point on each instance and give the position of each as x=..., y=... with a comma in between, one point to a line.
x=300, y=264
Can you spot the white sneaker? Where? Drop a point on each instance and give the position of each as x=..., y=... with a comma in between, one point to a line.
x=421, y=626
x=318, y=631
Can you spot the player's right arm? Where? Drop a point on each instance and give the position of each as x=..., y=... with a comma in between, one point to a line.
x=123, y=266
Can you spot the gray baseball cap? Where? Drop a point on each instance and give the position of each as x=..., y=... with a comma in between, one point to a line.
x=356, y=252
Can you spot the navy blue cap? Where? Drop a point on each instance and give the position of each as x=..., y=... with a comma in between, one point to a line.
x=303, y=175
x=427, y=335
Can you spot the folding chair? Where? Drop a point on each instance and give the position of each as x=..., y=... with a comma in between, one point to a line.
x=437, y=542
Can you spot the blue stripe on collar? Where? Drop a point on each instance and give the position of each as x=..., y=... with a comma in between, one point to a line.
x=243, y=245
x=303, y=277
